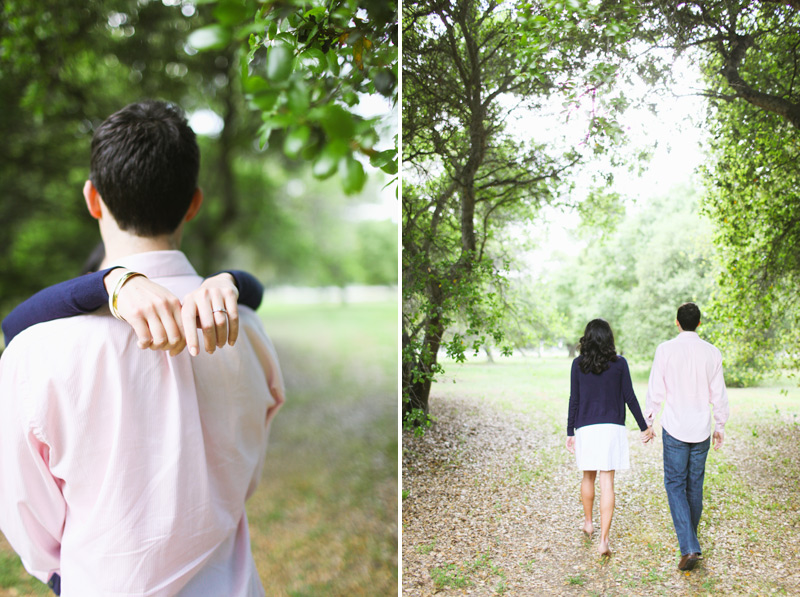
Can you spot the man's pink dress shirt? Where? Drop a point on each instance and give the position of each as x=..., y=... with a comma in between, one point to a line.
x=125, y=470
x=687, y=378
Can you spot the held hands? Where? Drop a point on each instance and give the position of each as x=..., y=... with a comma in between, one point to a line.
x=648, y=434
x=159, y=319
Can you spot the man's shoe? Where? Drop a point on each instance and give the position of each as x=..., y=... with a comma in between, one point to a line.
x=689, y=561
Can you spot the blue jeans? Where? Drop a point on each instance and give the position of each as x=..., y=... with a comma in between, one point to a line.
x=684, y=471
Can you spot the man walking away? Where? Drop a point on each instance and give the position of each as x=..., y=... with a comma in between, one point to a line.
x=687, y=379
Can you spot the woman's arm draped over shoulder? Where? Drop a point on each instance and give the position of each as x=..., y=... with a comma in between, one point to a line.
x=89, y=292
x=66, y=299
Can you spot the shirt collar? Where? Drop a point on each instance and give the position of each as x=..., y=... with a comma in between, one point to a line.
x=158, y=264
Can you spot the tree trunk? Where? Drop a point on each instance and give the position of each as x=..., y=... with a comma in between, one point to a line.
x=488, y=350
x=419, y=391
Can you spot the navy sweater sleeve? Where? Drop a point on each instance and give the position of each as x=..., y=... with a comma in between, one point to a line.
x=72, y=297
x=630, y=397
x=250, y=289
x=88, y=293
x=574, y=398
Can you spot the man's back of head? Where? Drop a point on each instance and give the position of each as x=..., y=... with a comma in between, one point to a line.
x=688, y=317
x=145, y=162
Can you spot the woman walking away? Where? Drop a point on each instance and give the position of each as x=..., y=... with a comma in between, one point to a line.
x=599, y=390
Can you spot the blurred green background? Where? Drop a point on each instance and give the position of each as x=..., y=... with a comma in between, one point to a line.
x=324, y=520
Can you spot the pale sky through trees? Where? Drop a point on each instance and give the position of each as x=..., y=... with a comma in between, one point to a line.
x=677, y=131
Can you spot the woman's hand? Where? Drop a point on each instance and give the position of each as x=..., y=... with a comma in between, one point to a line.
x=213, y=308
x=159, y=320
x=571, y=444
x=647, y=435
x=151, y=310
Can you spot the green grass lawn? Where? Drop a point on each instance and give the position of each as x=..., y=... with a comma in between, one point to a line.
x=324, y=519
x=540, y=387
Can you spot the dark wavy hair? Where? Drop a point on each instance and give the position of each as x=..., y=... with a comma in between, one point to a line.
x=597, y=347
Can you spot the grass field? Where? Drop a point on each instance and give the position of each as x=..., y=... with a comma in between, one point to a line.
x=540, y=387
x=324, y=519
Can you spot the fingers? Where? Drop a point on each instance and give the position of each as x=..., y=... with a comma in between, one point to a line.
x=154, y=314
x=216, y=312
x=220, y=324
x=189, y=317
x=233, y=317
x=205, y=319
x=174, y=328
x=718, y=439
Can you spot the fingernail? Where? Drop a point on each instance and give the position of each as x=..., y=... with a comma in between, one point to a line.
x=193, y=351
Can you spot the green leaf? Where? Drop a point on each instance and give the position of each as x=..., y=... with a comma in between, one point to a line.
x=255, y=84
x=265, y=101
x=385, y=160
x=337, y=122
x=213, y=37
x=298, y=97
x=352, y=174
x=264, y=133
x=333, y=62
x=246, y=30
x=280, y=62
x=230, y=13
x=328, y=159
x=317, y=10
x=295, y=140
x=315, y=55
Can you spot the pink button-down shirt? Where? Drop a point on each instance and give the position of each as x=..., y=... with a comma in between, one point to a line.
x=125, y=470
x=687, y=378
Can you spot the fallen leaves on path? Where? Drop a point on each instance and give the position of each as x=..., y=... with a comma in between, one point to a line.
x=491, y=506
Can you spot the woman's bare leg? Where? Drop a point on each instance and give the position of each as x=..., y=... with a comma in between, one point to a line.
x=606, y=509
x=587, y=497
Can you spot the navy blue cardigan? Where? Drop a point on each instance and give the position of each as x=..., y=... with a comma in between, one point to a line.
x=87, y=293
x=601, y=398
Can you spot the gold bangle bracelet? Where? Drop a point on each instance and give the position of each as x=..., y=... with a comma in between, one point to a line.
x=112, y=298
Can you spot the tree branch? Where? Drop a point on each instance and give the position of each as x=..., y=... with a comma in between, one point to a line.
x=771, y=103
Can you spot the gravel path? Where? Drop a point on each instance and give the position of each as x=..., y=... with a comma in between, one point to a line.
x=491, y=506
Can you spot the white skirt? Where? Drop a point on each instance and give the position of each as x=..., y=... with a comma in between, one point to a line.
x=602, y=447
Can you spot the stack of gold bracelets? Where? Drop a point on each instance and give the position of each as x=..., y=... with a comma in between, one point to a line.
x=112, y=298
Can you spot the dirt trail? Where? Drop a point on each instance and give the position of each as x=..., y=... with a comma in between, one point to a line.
x=491, y=507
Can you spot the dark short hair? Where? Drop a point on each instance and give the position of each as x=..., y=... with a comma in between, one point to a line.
x=145, y=162
x=597, y=347
x=689, y=317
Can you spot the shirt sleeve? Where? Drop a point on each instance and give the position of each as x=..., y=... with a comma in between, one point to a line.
x=33, y=509
x=630, y=396
x=66, y=299
x=251, y=291
x=574, y=399
x=656, y=389
x=718, y=395
x=268, y=359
